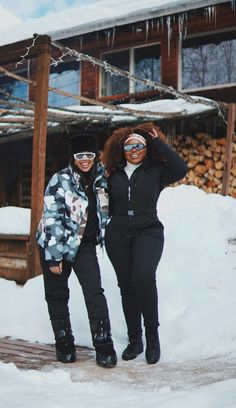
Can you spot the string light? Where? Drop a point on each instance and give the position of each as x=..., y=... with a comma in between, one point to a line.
x=66, y=51
x=119, y=72
x=23, y=57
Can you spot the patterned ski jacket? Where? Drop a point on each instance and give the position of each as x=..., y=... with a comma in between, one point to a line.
x=64, y=218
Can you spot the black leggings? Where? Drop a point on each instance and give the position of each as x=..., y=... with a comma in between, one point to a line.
x=87, y=270
x=135, y=254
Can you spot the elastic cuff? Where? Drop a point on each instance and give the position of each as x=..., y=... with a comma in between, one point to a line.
x=53, y=263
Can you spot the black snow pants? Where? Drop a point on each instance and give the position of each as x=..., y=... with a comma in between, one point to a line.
x=134, y=245
x=87, y=270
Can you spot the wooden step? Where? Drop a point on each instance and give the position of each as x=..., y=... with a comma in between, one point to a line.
x=29, y=355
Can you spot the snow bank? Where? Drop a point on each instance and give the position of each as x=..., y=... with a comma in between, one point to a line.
x=15, y=220
x=196, y=280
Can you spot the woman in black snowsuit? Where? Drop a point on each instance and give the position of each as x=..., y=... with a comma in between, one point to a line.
x=139, y=164
x=73, y=221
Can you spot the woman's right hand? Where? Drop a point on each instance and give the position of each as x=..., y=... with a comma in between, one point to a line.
x=56, y=269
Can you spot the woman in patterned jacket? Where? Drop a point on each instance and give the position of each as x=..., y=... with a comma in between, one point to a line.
x=73, y=221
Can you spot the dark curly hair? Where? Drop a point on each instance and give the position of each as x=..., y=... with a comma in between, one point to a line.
x=113, y=153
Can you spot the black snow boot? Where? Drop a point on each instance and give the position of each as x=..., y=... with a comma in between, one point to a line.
x=134, y=348
x=153, y=351
x=65, y=347
x=103, y=344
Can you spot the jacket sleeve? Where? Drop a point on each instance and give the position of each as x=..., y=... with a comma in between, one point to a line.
x=54, y=218
x=175, y=168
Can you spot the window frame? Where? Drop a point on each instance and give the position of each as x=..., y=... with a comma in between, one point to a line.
x=180, y=70
x=76, y=101
x=131, y=67
x=19, y=71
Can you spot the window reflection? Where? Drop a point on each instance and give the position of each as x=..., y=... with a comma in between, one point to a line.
x=18, y=89
x=209, y=61
x=147, y=65
x=114, y=84
x=66, y=77
x=144, y=62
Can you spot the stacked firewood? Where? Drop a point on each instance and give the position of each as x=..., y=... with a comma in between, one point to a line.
x=205, y=157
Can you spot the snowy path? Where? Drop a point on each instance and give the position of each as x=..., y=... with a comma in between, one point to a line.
x=138, y=375
x=134, y=374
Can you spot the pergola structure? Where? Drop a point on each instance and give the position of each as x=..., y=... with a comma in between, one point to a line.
x=19, y=258
x=19, y=247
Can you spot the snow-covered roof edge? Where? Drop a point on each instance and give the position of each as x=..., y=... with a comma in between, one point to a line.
x=140, y=15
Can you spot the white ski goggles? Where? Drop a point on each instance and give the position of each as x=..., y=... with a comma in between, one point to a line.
x=84, y=156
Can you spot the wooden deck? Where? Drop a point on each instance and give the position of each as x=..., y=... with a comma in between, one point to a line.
x=27, y=355
x=135, y=374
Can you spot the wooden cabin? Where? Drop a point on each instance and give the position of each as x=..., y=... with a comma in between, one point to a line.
x=187, y=46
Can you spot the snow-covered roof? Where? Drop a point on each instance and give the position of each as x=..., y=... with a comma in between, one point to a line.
x=98, y=16
x=167, y=109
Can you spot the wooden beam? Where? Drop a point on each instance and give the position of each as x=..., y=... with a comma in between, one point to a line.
x=12, y=237
x=229, y=148
x=13, y=52
x=39, y=154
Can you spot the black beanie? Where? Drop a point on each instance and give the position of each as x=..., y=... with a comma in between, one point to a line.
x=83, y=143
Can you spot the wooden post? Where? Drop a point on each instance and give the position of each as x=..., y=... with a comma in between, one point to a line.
x=39, y=154
x=229, y=148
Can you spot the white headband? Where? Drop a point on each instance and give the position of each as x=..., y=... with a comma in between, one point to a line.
x=136, y=136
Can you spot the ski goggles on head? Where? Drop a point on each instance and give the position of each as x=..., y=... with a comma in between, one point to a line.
x=131, y=146
x=84, y=156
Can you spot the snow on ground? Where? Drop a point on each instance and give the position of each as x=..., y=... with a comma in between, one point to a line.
x=196, y=281
x=14, y=220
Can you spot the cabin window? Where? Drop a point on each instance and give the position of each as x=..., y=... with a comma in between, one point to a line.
x=66, y=77
x=141, y=61
x=209, y=61
x=147, y=65
x=115, y=84
x=14, y=87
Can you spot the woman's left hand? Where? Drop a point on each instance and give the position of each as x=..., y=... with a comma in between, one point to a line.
x=156, y=132
x=57, y=270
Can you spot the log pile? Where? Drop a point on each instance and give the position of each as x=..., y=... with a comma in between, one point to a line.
x=205, y=157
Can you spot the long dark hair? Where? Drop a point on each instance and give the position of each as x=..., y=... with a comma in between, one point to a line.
x=86, y=179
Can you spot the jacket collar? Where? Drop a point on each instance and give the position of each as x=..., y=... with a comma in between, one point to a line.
x=147, y=162
x=76, y=176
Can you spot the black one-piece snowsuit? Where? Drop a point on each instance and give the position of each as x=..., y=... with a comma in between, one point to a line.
x=134, y=237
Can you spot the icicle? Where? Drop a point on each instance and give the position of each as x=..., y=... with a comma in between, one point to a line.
x=97, y=37
x=108, y=35
x=113, y=37
x=81, y=42
x=158, y=26
x=169, y=32
x=210, y=13
x=147, y=30
x=181, y=26
x=233, y=5
x=215, y=15
x=162, y=23
x=185, y=20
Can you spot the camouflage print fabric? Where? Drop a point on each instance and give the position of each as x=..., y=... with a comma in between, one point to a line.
x=65, y=214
